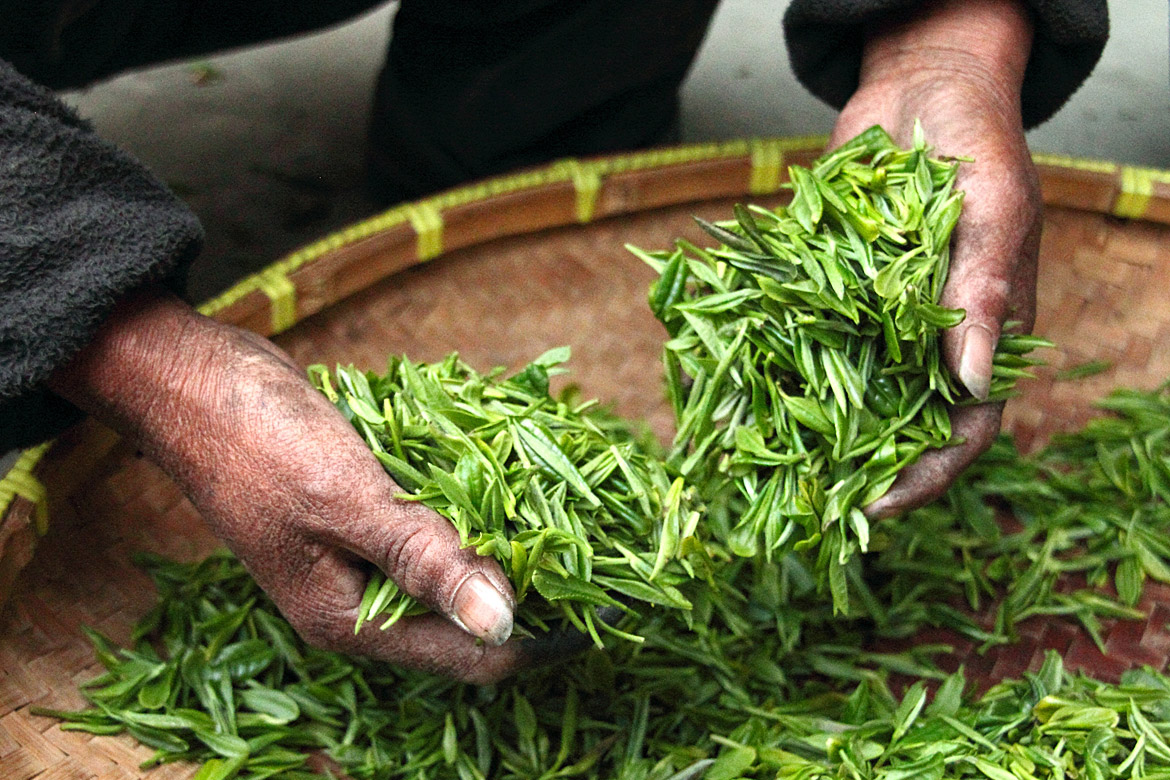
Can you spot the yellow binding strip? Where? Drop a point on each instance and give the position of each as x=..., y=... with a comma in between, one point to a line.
x=767, y=166
x=344, y=237
x=282, y=294
x=427, y=221
x=1075, y=163
x=586, y=178
x=212, y=306
x=20, y=481
x=1137, y=187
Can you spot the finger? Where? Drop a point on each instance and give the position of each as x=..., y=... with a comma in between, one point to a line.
x=259, y=342
x=348, y=502
x=433, y=644
x=928, y=478
x=324, y=611
x=322, y=605
x=421, y=552
x=992, y=274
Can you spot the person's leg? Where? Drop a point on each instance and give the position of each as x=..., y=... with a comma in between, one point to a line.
x=71, y=43
x=472, y=89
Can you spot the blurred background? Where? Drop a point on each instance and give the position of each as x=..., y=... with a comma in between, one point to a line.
x=266, y=144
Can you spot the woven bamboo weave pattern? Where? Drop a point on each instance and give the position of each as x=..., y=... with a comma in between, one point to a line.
x=1102, y=295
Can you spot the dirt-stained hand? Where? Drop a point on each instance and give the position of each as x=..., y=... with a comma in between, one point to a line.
x=957, y=66
x=287, y=483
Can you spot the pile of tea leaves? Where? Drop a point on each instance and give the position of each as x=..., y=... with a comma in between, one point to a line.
x=805, y=363
x=763, y=682
x=578, y=510
x=759, y=679
x=727, y=548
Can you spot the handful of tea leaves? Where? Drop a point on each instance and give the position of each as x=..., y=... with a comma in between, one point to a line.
x=562, y=494
x=804, y=364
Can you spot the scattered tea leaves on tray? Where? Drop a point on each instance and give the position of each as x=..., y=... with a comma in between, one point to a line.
x=577, y=509
x=217, y=676
x=1016, y=537
x=759, y=680
x=804, y=362
x=803, y=367
x=1094, y=504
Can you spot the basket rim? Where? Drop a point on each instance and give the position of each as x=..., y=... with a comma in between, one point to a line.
x=753, y=166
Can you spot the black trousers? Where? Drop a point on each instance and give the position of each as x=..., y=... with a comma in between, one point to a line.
x=469, y=88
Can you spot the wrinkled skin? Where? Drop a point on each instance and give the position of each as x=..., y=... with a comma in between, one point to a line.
x=957, y=66
x=287, y=483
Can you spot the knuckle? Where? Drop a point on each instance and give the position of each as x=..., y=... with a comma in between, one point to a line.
x=455, y=657
x=322, y=627
x=318, y=599
x=996, y=284
x=317, y=486
x=413, y=558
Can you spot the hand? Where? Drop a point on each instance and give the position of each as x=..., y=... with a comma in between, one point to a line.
x=288, y=484
x=957, y=66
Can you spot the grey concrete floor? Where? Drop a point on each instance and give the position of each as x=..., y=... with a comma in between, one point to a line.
x=266, y=144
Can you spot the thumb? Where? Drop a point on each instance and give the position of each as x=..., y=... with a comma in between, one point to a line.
x=420, y=551
x=993, y=269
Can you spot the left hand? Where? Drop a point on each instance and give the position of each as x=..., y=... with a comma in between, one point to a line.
x=957, y=66
x=281, y=476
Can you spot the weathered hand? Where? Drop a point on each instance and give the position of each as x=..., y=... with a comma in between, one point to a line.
x=957, y=66
x=287, y=483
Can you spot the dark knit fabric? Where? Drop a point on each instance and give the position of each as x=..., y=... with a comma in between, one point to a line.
x=72, y=43
x=825, y=40
x=473, y=88
x=81, y=223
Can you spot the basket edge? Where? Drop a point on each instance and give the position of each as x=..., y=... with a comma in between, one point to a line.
x=290, y=289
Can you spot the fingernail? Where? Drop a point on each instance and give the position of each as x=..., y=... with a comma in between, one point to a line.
x=975, y=361
x=483, y=611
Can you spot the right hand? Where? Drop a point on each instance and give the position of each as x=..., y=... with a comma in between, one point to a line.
x=957, y=66
x=293, y=490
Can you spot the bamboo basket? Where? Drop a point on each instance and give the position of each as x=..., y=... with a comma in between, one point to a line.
x=517, y=265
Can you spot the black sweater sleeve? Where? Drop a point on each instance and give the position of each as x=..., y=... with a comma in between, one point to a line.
x=825, y=39
x=81, y=223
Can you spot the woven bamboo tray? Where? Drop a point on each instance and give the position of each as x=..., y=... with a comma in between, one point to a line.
x=520, y=264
